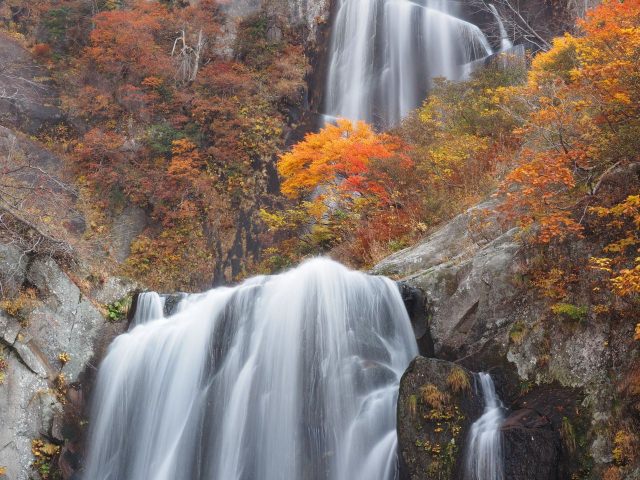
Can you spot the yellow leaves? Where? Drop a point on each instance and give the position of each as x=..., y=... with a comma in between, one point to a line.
x=636, y=335
x=40, y=448
x=622, y=97
x=628, y=280
x=601, y=264
x=557, y=63
x=624, y=450
x=64, y=358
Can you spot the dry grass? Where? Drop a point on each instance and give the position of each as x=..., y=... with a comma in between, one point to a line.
x=458, y=380
x=432, y=396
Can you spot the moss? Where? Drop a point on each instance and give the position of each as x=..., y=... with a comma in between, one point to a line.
x=517, y=332
x=570, y=312
x=568, y=435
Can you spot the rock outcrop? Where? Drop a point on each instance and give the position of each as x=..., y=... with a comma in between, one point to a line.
x=470, y=297
x=436, y=405
x=52, y=311
x=51, y=339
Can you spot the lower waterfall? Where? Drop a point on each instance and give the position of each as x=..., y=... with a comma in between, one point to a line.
x=484, y=453
x=287, y=377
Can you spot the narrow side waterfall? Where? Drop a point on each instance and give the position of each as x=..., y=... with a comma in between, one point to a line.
x=505, y=42
x=288, y=377
x=385, y=53
x=150, y=306
x=484, y=459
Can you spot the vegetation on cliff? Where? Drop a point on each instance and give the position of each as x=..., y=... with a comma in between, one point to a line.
x=171, y=113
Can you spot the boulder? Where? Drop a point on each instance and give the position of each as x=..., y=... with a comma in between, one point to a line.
x=436, y=405
x=468, y=272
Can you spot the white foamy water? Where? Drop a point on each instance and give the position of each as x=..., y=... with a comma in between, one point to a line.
x=484, y=459
x=384, y=54
x=149, y=307
x=288, y=377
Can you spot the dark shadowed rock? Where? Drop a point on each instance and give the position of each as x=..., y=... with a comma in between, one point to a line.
x=436, y=406
x=415, y=302
x=531, y=447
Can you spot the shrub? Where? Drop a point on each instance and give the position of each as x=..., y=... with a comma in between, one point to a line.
x=433, y=397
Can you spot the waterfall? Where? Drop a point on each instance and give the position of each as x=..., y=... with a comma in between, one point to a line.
x=287, y=377
x=505, y=43
x=484, y=453
x=150, y=306
x=384, y=54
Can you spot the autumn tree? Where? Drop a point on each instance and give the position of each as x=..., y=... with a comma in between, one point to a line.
x=583, y=99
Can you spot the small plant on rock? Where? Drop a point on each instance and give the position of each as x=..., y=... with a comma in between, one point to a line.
x=432, y=396
x=458, y=380
x=570, y=312
x=64, y=358
x=117, y=310
x=44, y=454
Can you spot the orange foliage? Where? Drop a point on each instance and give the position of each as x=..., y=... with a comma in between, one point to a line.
x=586, y=97
x=338, y=154
x=123, y=42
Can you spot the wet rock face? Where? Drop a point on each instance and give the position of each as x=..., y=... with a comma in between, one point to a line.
x=436, y=405
x=531, y=447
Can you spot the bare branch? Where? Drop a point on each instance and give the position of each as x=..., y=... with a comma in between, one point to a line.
x=188, y=57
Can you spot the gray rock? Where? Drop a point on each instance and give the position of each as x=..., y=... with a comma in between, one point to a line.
x=126, y=227
x=23, y=416
x=13, y=267
x=114, y=288
x=452, y=243
x=28, y=100
x=64, y=320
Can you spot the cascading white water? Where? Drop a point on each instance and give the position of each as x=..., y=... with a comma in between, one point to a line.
x=288, y=377
x=385, y=53
x=484, y=452
x=150, y=306
x=505, y=43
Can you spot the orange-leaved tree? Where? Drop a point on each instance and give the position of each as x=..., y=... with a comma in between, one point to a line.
x=347, y=181
x=583, y=97
x=338, y=155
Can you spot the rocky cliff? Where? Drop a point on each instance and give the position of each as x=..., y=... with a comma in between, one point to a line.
x=54, y=305
x=473, y=304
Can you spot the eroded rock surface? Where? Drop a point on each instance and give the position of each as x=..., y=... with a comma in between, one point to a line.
x=59, y=319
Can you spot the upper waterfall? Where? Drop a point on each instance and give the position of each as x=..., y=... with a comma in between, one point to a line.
x=280, y=378
x=384, y=54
